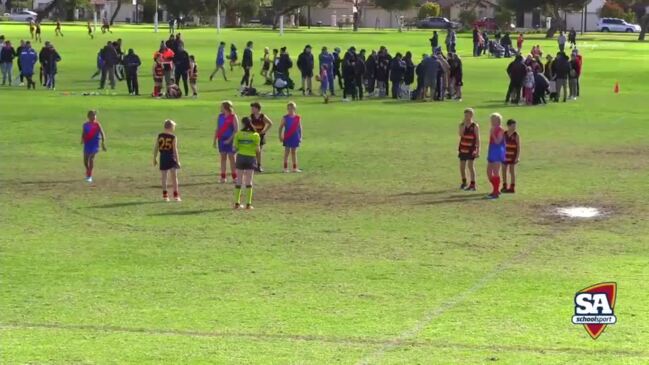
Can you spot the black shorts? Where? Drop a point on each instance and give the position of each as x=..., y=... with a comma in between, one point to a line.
x=307, y=74
x=167, y=162
x=246, y=162
x=262, y=139
x=466, y=156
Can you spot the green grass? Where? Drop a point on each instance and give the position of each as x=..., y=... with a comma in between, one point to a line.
x=370, y=256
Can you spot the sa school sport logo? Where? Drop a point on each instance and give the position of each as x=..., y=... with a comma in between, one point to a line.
x=594, y=308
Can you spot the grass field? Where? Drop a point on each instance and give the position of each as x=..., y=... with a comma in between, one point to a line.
x=371, y=256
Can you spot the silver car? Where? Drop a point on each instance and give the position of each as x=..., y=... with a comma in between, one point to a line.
x=23, y=16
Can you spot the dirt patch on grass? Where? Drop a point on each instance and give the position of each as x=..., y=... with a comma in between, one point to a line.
x=568, y=212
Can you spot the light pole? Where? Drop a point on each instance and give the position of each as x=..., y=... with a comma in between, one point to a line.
x=155, y=19
x=218, y=16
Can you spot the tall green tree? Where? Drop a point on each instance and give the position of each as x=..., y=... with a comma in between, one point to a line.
x=554, y=8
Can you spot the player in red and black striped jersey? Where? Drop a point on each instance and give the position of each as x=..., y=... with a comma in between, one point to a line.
x=261, y=123
x=512, y=156
x=469, y=148
x=167, y=146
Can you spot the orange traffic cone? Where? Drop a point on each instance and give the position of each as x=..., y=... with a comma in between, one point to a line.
x=617, y=87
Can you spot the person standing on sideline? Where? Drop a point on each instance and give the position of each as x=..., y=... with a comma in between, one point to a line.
x=561, y=71
x=246, y=64
x=496, y=154
x=226, y=126
x=326, y=59
x=359, y=73
x=337, y=69
x=469, y=148
x=90, y=30
x=265, y=68
x=110, y=58
x=181, y=68
x=573, y=77
x=92, y=133
x=19, y=50
x=220, y=62
x=561, y=41
x=306, y=64
x=7, y=55
x=167, y=146
x=512, y=157
x=290, y=135
x=247, y=146
x=519, y=43
x=517, y=72
x=397, y=73
x=261, y=124
x=193, y=76
x=28, y=58
x=131, y=64
x=52, y=69
x=476, y=41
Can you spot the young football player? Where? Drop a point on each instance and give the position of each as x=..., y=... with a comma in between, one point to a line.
x=193, y=75
x=496, y=154
x=167, y=147
x=469, y=148
x=290, y=134
x=92, y=133
x=512, y=157
x=227, y=125
x=261, y=123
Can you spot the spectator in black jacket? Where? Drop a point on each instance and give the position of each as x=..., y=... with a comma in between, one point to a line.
x=181, y=63
x=476, y=41
x=409, y=76
x=110, y=60
x=284, y=64
x=349, y=64
x=541, y=87
x=506, y=42
x=7, y=55
x=42, y=60
x=359, y=73
x=434, y=41
x=370, y=73
x=131, y=64
x=383, y=70
x=246, y=64
x=337, y=63
x=561, y=71
x=51, y=69
x=19, y=50
x=397, y=73
x=517, y=72
x=306, y=64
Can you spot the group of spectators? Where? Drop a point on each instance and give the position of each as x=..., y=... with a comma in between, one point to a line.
x=533, y=80
x=172, y=64
x=357, y=74
x=26, y=59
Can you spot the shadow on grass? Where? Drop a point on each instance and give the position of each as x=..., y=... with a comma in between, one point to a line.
x=189, y=212
x=125, y=204
x=50, y=182
x=455, y=199
x=423, y=193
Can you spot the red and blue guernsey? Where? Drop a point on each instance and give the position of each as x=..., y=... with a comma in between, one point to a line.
x=225, y=129
x=91, y=137
x=292, y=131
x=496, y=150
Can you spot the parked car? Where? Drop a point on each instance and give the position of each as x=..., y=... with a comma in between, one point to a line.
x=617, y=25
x=435, y=22
x=23, y=16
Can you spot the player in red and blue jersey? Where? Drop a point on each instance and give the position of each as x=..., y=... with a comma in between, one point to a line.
x=226, y=127
x=290, y=134
x=496, y=155
x=91, y=135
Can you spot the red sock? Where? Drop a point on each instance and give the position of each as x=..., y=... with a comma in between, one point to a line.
x=512, y=187
x=495, y=182
x=175, y=194
x=285, y=165
x=294, y=166
x=234, y=176
x=223, y=175
x=88, y=172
